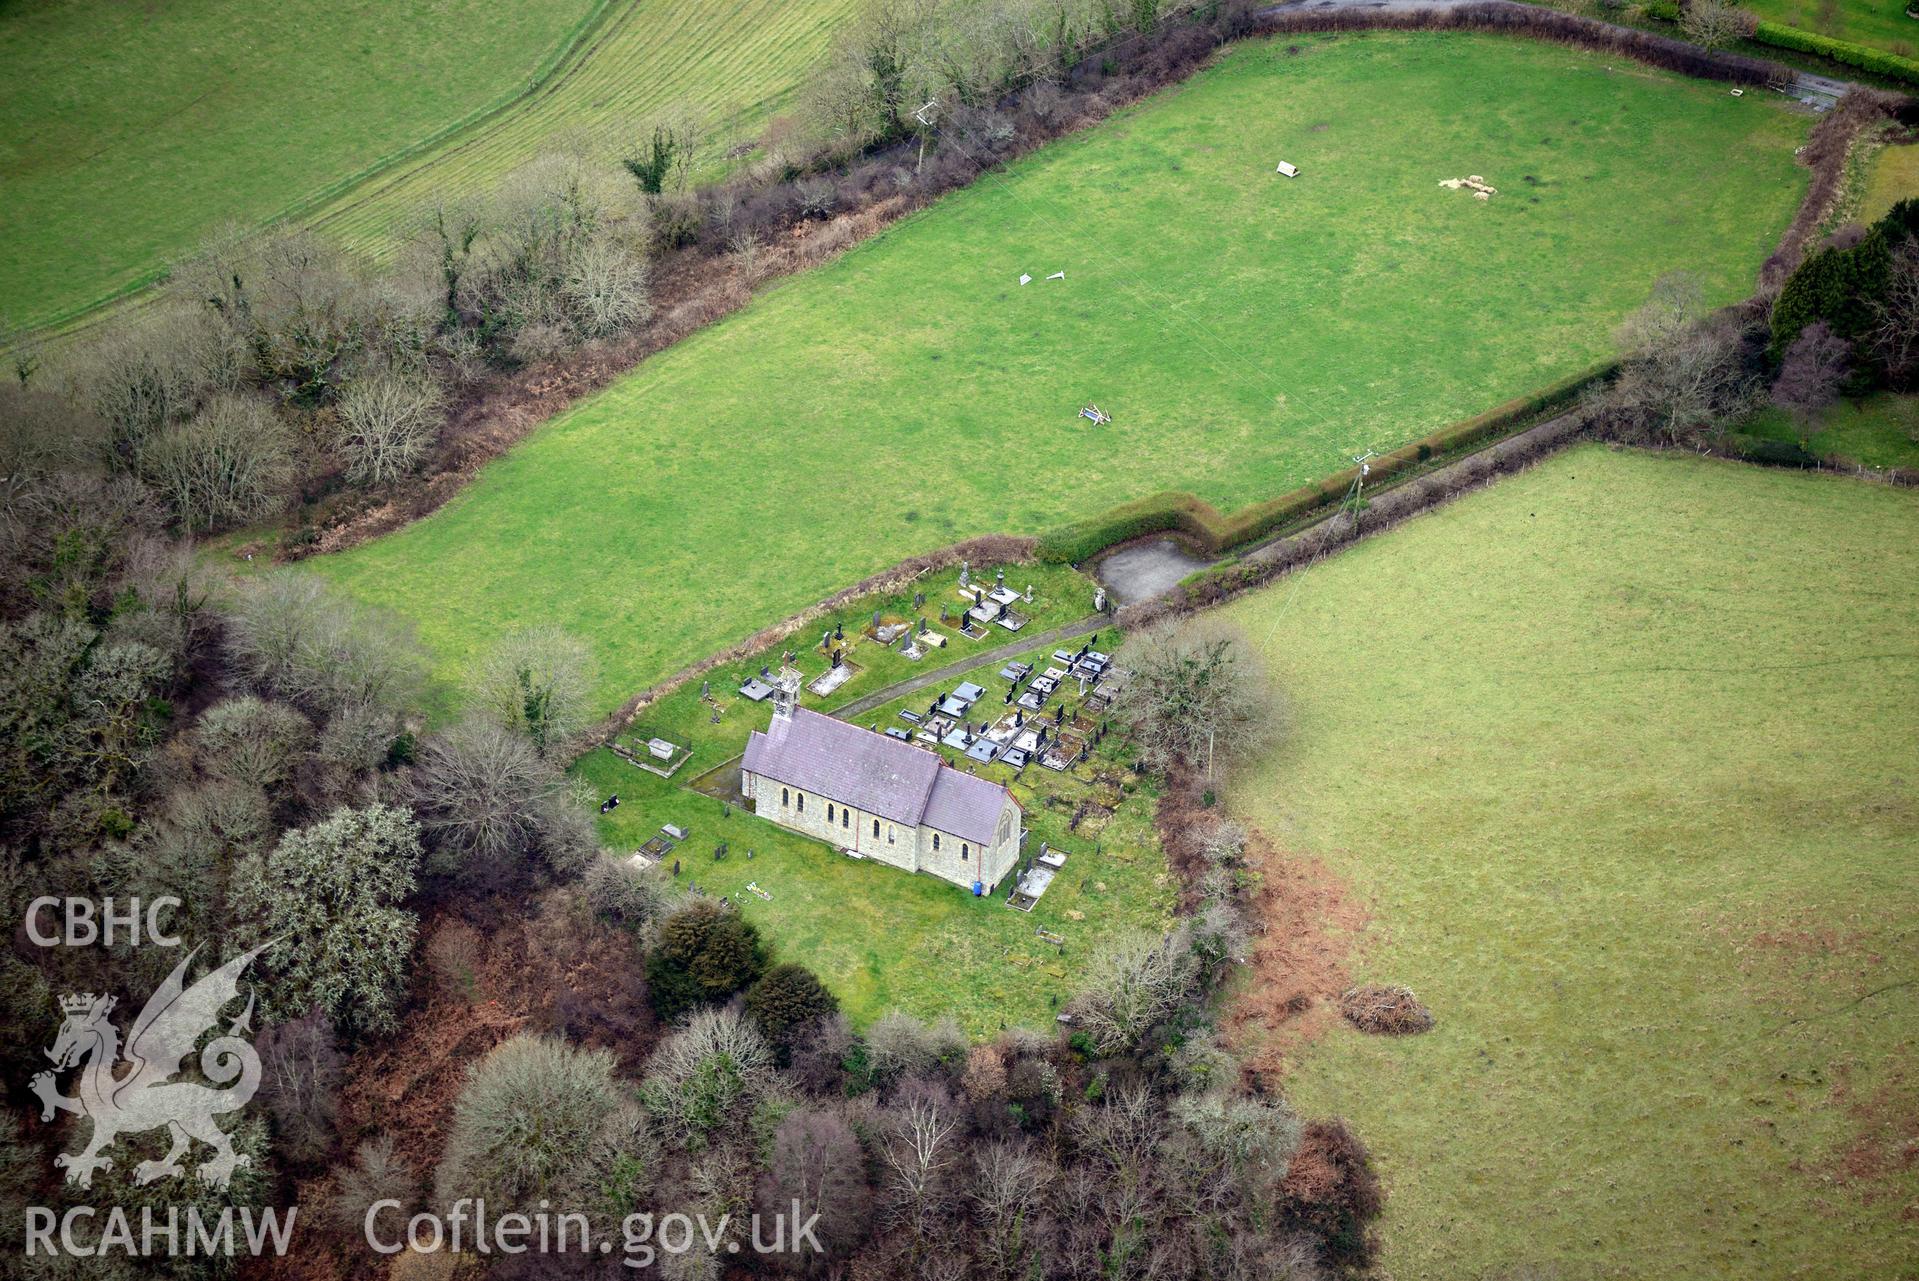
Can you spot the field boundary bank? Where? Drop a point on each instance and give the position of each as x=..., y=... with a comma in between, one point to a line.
x=1340, y=529
x=1217, y=533
x=582, y=38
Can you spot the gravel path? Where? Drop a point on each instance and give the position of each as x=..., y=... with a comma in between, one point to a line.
x=998, y=654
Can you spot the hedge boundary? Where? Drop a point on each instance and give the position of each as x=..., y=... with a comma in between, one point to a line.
x=1216, y=532
x=1217, y=584
x=1782, y=36
x=1503, y=17
x=1878, y=62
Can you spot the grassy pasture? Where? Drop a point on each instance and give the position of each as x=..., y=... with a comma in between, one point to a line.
x=1247, y=332
x=1882, y=430
x=129, y=132
x=1894, y=177
x=736, y=63
x=1624, y=755
x=1881, y=24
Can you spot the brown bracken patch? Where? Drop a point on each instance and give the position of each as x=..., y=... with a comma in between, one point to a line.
x=1876, y=1162
x=1299, y=964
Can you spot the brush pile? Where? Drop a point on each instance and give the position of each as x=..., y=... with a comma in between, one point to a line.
x=1385, y=1011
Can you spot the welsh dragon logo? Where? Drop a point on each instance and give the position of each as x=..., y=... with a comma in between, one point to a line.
x=146, y=1097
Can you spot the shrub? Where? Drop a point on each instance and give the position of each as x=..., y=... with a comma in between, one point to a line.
x=1385, y=1010
x=787, y=998
x=539, y=1119
x=705, y=953
x=1876, y=61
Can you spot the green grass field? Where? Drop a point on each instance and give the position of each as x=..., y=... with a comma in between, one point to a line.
x=1882, y=24
x=1247, y=332
x=867, y=929
x=130, y=132
x=1624, y=756
x=1880, y=431
x=1894, y=177
x=734, y=63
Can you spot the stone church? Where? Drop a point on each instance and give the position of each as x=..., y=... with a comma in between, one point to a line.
x=878, y=797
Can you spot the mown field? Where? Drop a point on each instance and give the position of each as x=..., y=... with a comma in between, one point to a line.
x=734, y=64
x=1247, y=333
x=128, y=133
x=1894, y=177
x=1624, y=756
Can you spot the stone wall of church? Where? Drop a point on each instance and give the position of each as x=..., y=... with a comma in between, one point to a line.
x=844, y=827
x=841, y=826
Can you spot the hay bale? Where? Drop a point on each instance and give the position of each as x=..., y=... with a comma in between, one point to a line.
x=1385, y=1010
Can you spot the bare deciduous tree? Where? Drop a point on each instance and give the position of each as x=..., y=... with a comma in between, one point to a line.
x=376, y=1173
x=537, y=683
x=301, y=1070
x=1713, y=25
x=386, y=423
x=817, y=1162
x=252, y=741
x=1894, y=333
x=708, y=1075
x=605, y=288
x=297, y=639
x=1809, y=376
x=1137, y=981
x=1006, y=1191
x=916, y=1158
x=232, y=463
x=483, y=797
x=541, y=1119
x=1685, y=373
x=1197, y=694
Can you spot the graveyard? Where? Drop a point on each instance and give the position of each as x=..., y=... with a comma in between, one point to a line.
x=1091, y=852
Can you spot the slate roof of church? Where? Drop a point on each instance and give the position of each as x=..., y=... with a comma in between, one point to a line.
x=874, y=773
